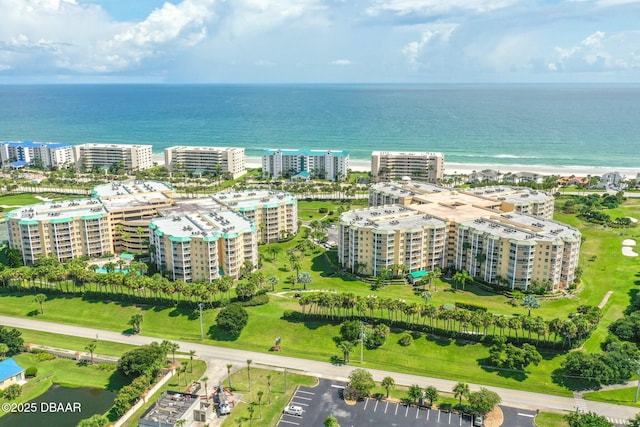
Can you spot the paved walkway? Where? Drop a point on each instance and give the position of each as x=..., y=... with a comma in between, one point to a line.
x=515, y=398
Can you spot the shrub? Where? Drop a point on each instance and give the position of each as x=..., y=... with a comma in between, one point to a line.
x=12, y=392
x=406, y=339
x=470, y=307
x=44, y=356
x=232, y=319
x=106, y=367
x=260, y=299
x=31, y=371
x=323, y=210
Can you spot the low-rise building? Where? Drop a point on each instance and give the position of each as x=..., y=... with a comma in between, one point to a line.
x=485, y=175
x=322, y=164
x=10, y=373
x=132, y=157
x=177, y=409
x=219, y=160
x=389, y=165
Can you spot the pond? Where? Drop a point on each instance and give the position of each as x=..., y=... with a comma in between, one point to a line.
x=60, y=407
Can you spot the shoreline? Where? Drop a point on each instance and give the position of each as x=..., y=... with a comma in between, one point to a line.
x=359, y=165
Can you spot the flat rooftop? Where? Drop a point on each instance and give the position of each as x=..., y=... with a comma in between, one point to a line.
x=118, y=146
x=524, y=227
x=407, y=153
x=510, y=194
x=201, y=148
x=304, y=152
x=409, y=189
x=64, y=210
x=128, y=188
x=202, y=224
x=389, y=218
x=253, y=198
x=170, y=407
x=189, y=206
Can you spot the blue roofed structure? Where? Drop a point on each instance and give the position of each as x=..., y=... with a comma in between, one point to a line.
x=324, y=164
x=10, y=373
x=44, y=154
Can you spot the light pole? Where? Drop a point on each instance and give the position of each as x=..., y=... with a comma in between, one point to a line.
x=361, y=342
x=201, y=325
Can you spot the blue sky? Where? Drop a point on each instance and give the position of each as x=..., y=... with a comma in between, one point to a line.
x=320, y=41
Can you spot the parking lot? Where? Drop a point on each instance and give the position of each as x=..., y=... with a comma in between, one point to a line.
x=325, y=399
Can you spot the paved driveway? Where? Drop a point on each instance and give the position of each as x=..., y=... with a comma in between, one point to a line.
x=324, y=399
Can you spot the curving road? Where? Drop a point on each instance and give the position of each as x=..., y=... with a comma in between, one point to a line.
x=515, y=398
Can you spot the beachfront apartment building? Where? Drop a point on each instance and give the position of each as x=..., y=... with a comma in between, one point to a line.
x=218, y=160
x=389, y=165
x=54, y=155
x=322, y=164
x=275, y=213
x=203, y=246
x=487, y=232
x=133, y=157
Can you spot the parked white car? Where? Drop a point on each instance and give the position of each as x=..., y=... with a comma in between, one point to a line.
x=293, y=410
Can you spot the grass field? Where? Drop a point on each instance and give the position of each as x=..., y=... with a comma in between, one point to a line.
x=69, y=342
x=550, y=419
x=622, y=396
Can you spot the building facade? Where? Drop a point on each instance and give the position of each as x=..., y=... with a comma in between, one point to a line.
x=134, y=157
x=204, y=246
x=389, y=165
x=275, y=213
x=323, y=164
x=492, y=232
x=221, y=160
x=53, y=155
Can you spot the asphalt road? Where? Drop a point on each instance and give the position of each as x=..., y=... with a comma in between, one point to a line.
x=514, y=398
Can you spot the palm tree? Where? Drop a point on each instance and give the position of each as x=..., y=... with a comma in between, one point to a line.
x=346, y=347
x=251, y=408
x=260, y=394
x=434, y=276
x=273, y=281
x=388, y=383
x=249, y=361
x=530, y=302
x=191, y=354
x=461, y=390
x=135, y=322
x=414, y=393
x=635, y=422
x=229, y=366
x=206, y=391
x=431, y=393
x=40, y=299
x=269, y=388
x=4, y=349
x=460, y=278
x=171, y=347
x=91, y=347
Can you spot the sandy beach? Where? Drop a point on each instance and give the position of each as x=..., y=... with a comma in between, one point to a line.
x=467, y=168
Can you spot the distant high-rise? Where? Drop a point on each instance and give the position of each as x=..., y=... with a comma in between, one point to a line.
x=323, y=164
x=219, y=160
x=388, y=165
x=44, y=154
x=133, y=157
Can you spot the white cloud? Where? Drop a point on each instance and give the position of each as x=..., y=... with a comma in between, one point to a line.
x=436, y=7
x=341, y=62
x=412, y=51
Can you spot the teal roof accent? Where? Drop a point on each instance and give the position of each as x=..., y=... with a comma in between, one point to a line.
x=153, y=226
x=126, y=256
x=61, y=220
x=271, y=205
x=179, y=239
x=418, y=274
x=9, y=368
x=211, y=238
x=10, y=215
x=159, y=233
x=87, y=217
x=247, y=208
x=230, y=235
x=28, y=222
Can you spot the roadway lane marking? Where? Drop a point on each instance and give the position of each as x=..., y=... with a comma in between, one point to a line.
x=526, y=415
x=386, y=406
x=376, y=406
x=306, y=392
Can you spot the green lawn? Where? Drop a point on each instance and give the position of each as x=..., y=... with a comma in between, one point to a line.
x=279, y=395
x=622, y=396
x=67, y=373
x=69, y=342
x=550, y=419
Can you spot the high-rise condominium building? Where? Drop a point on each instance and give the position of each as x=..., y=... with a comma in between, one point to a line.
x=422, y=227
x=133, y=157
x=44, y=154
x=388, y=165
x=219, y=160
x=322, y=164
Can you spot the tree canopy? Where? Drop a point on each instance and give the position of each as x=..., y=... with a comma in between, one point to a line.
x=483, y=401
x=146, y=360
x=232, y=319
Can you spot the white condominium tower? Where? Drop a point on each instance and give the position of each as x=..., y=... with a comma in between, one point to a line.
x=133, y=157
x=219, y=160
x=323, y=164
x=387, y=165
x=44, y=154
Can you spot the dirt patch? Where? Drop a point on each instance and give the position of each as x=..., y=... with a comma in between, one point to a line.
x=495, y=418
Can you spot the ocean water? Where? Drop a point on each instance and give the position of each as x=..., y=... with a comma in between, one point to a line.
x=590, y=126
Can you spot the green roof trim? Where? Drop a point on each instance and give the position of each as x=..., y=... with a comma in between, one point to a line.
x=230, y=235
x=126, y=256
x=418, y=274
x=28, y=222
x=61, y=220
x=211, y=238
x=88, y=217
x=179, y=239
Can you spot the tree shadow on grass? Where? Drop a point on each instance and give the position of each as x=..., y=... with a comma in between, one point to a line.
x=117, y=381
x=559, y=377
x=512, y=374
x=297, y=317
x=218, y=334
x=33, y=313
x=337, y=361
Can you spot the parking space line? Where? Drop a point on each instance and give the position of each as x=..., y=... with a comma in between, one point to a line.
x=306, y=392
x=289, y=422
x=366, y=402
x=341, y=387
x=428, y=413
x=406, y=412
x=386, y=406
x=417, y=412
x=299, y=403
x=376, y=406
x=460, y=419
x=397, y=405
x=439, y=415
x=303, y=398
x=449, y=417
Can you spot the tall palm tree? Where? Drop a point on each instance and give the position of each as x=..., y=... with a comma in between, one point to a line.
x=461, y=390
x=40, y=299
x=206, y=385
x=346, y=347
x=91, y=347
x=249, y=362
x=260, y=395
x=530, y=302
x=269, y=388
x=229, y=366
x=388, y=383
x=191, y=354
